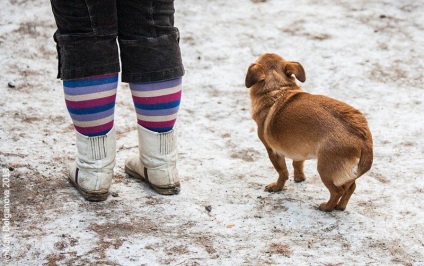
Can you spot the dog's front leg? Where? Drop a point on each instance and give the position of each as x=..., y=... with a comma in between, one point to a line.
x=279, y=163
x=299, y=176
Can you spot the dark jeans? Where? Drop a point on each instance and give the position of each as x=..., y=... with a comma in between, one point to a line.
x=88, y=30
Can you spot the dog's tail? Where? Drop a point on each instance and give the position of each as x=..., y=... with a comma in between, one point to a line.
x=365, y=161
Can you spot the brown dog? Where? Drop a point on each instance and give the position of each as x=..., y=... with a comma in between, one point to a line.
x=301, y=126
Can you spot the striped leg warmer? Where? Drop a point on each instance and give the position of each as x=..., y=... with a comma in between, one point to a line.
x=91, y=103
x=157, y=104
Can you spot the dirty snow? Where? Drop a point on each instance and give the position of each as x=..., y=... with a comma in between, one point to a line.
x=369, y=54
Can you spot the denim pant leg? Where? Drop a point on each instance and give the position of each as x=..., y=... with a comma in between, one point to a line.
x=148, y=41
x=86, y=37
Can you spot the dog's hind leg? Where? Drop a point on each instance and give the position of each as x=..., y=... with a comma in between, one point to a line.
x=329, y=169
x=350, y=188
x=299, y=176
x=335, y=194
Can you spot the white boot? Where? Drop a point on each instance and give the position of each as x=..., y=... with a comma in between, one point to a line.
x=156, y=163
x=92, y=171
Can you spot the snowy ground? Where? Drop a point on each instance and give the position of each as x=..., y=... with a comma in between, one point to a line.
x=369, y=54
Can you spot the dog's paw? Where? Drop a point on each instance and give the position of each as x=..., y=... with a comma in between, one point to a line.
x=273, y=187
x=340, y=208
x=323, y=207
x=299, y=178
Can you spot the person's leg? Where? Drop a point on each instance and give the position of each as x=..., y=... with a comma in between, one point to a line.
x=86, y=38
x=91, y=103
x=152, y=65
x=157, y=104
x=148, y=41
x=88, y=65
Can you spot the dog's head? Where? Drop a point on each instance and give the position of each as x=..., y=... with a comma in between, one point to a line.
x=272, y=63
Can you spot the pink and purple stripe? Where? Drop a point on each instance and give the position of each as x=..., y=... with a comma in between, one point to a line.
x=157, y=104
x=91, y=103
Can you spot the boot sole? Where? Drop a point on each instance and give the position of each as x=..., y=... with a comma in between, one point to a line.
x=163, y=191
x=95, y=197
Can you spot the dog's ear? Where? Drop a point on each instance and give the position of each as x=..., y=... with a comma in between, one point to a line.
x=255, y=73
x=296, y=69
